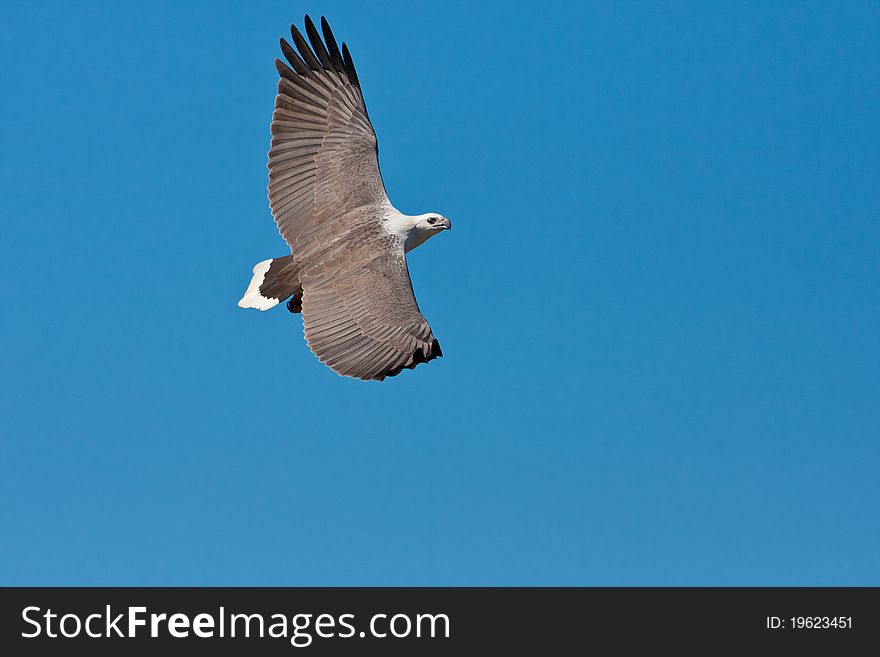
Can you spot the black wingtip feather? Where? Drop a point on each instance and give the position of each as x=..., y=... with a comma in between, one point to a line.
x=317, y=44
x=304, y=50
x=418, y=357
x=290, y=55
x=335, y=56
x=317, y=54
x=284, y=70
x=349, y=66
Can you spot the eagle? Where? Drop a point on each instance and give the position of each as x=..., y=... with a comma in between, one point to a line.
x=346, y=272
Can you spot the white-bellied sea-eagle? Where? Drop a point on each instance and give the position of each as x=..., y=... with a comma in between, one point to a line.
x=347, y=271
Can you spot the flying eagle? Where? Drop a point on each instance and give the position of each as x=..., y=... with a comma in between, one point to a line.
x=347, y=270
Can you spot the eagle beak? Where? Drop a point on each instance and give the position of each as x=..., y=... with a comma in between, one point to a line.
x=447, y=223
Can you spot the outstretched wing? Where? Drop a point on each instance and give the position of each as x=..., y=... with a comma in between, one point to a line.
x=323, y=160
x=359, y=311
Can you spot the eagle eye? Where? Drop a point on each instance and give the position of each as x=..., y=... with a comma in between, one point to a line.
x=432, y=220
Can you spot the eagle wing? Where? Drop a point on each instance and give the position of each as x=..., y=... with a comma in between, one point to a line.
x=323, y=159
x=326, y=193
x=359, y=312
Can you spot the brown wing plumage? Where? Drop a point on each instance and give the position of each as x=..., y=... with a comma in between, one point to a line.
x=359, y=312
x=323, y=160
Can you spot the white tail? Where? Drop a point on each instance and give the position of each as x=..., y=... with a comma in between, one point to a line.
x=252, y=297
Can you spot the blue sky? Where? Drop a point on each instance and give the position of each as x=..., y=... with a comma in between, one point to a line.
x=658, y=308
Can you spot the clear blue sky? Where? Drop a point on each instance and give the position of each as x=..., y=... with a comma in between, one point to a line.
x=660, y=305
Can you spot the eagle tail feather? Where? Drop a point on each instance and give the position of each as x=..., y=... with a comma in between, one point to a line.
x=273, y=281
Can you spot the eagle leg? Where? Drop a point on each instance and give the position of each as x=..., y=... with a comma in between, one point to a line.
x=295, y=303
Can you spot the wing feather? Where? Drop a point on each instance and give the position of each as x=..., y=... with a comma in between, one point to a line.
x=335, y=56
x=291, y=56
x=304, y=50
x=317, y=44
